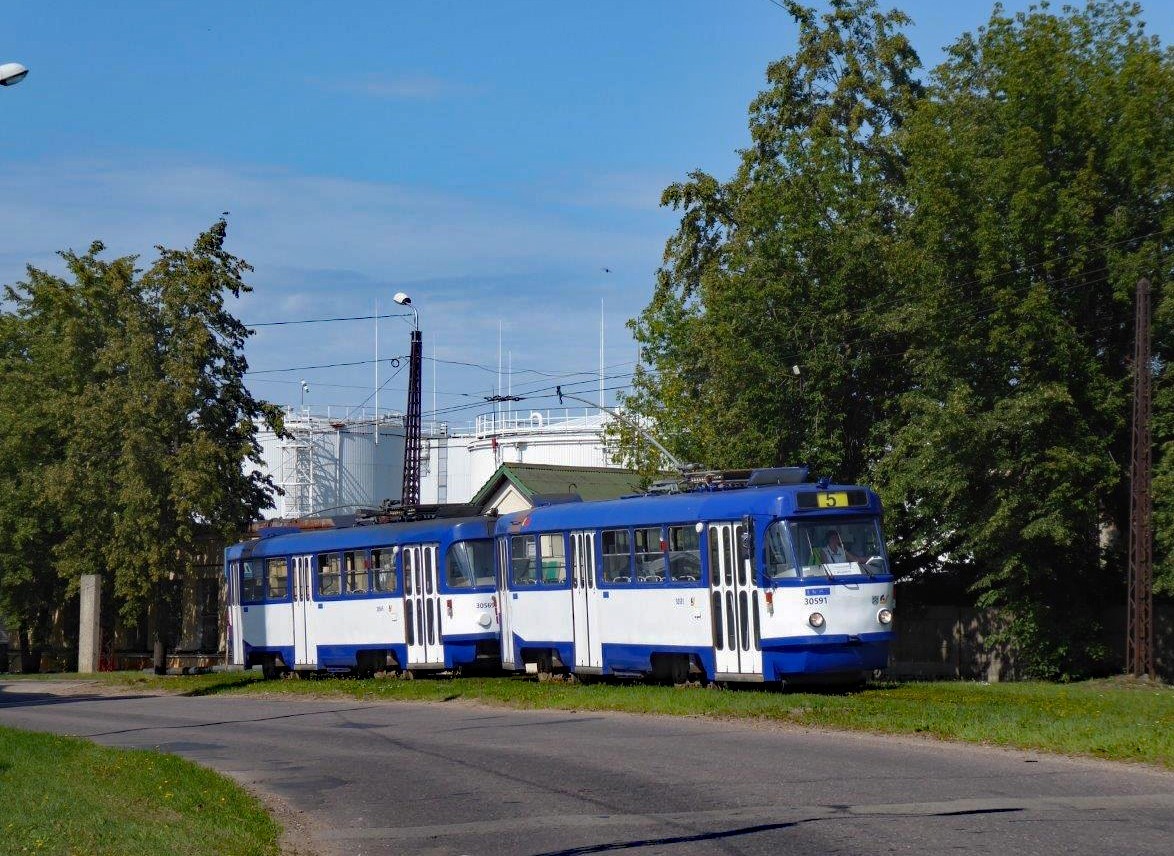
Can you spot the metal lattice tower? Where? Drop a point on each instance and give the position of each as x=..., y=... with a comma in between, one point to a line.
x=410, y=497
x=1139, y=643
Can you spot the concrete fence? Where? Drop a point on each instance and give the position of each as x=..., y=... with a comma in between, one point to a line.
x=936, y=642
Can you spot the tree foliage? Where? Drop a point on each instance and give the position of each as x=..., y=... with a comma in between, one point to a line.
x=951, y=266
x=133, y=433
x=790, y=265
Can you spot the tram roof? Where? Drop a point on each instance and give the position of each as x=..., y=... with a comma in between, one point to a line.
x=357, y=537
x=775, y=500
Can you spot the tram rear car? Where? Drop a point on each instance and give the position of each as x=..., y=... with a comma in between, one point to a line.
x=773, y=582
x=415, y=596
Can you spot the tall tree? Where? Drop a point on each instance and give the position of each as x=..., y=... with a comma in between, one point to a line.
x=142, y=373
x=30, y=589
x=767, y=339
x=1038, y=180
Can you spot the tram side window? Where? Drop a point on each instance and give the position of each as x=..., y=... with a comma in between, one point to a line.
x=354, y=571
x=383, y=570
x=617, y=556
x=650, y=547
x=523, y=554
x=252, y=581
x=276, y=579
x=554, y=559
x=684, y=554
x=329, y=574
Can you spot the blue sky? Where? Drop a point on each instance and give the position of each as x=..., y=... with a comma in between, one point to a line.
x=491, y=159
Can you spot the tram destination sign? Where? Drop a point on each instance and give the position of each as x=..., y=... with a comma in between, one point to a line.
x=831, y=499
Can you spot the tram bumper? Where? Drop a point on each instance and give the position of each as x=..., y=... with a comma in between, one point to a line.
x=792, y=659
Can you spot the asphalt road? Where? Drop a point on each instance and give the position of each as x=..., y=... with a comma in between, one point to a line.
x=362, y=778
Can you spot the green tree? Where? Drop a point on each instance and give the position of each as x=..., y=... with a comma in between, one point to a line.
x=793, y=262
x=30, y=589
x=1038, y=183
x=142, y=375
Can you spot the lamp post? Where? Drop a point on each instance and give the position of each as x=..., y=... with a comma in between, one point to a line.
x=12, y=73
x=410, y=496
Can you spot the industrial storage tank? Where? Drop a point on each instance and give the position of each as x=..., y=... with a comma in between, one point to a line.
x=458, y=461
x=331, y=465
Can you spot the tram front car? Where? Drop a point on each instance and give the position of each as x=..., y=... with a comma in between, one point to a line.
x=827, y=587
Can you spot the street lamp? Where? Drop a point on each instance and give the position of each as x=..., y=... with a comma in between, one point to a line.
x=12, y=73
x=410, y=496
x=403, y=300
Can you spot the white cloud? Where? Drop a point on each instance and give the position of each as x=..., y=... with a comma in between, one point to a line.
x=326, y=246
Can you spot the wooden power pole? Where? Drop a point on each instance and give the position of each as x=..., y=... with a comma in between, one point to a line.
x=1139, y=643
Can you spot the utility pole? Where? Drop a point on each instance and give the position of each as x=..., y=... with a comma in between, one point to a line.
x=410, y=496
x=1139, y=643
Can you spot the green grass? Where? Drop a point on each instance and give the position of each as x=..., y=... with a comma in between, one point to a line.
x=63, y=795
x=1116, y=719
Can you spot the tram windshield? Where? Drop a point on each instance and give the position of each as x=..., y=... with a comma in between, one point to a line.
x=825, y=549
x=470, y=564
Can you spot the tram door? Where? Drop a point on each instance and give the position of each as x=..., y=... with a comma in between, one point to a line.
x=585, y=602
x=504, y=619
x=733, y=600
x=235, y=647
x=422, y=606
x=305, y=650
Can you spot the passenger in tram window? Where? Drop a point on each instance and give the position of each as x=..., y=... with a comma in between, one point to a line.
x=835, y=552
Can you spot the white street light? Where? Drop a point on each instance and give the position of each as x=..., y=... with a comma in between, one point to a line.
x=12, y=73
x=403, y=300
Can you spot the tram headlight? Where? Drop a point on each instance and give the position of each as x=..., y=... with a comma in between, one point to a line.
x=885, y=616
x=815, y=620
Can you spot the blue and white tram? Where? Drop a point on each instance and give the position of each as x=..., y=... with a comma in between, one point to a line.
x=774, y=581
x=413, y=596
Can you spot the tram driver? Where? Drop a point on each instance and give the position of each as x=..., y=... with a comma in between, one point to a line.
x=834, y=551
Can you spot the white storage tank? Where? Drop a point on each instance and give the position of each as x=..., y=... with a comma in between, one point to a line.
x=457, y=463
x=334, y=465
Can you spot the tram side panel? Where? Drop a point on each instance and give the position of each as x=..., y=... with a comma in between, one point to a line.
x=638, y=622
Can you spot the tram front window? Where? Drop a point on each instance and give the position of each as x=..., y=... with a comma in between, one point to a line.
x=469, y=564
x=839, y=547
x=780, y=558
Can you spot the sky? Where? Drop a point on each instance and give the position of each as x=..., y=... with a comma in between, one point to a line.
x=500, y=162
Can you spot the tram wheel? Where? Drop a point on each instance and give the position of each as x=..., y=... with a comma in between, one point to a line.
x=269, y=670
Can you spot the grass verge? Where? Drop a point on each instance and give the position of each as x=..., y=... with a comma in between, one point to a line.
x=1114, y=719
x=71, y=796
